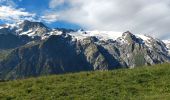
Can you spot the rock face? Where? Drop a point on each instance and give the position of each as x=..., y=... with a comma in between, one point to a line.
x=52, y=56
x=9, y=41
x=136, y=53
x=32, y=28
x=69, y=52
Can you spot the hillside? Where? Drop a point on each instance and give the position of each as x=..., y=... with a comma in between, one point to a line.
x=148, y=83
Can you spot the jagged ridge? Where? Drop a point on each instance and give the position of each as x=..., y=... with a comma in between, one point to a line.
x=55, y=51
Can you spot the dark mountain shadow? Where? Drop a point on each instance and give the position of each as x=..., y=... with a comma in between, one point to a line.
x=113, y=63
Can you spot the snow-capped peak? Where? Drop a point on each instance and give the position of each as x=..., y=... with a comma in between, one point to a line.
x=101, y=35
x=33, y=29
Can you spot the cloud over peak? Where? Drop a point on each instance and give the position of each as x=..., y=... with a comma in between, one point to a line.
x=150, y=17
x=139, y=16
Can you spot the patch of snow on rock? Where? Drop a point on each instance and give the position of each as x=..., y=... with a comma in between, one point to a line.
x=167, y=43
x=146, y=40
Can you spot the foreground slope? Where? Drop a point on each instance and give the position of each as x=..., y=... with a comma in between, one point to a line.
x=139, y=83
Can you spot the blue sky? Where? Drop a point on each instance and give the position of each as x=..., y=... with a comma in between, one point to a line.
x=150, y=17
x=39, y=7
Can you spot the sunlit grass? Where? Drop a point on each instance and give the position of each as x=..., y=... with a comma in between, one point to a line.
x=139, y=84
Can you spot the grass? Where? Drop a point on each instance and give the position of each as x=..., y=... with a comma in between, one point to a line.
x=142, y=83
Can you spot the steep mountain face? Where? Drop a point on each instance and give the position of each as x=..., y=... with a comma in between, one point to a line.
x=32, y=28
x=9, y=41
x=61, y=51
x=15, y=35
x=4, y=30
x=136, y=52
x=52, y=56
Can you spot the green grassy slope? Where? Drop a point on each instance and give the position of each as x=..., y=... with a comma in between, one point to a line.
x=144, y=83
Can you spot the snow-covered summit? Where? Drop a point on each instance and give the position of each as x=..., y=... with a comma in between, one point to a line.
x=101, y=35
x=33, y=29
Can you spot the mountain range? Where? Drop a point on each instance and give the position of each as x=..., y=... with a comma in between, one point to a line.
x=31, y=49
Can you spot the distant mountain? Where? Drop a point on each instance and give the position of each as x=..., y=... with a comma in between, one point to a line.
x=54, y=51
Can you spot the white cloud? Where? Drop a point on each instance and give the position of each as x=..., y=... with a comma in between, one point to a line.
x=50, y=17
x=10, y=14
x=8, y=3
x=139, y=16
x=55, y=3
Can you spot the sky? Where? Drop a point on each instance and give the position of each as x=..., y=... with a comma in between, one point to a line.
x=151, y=17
